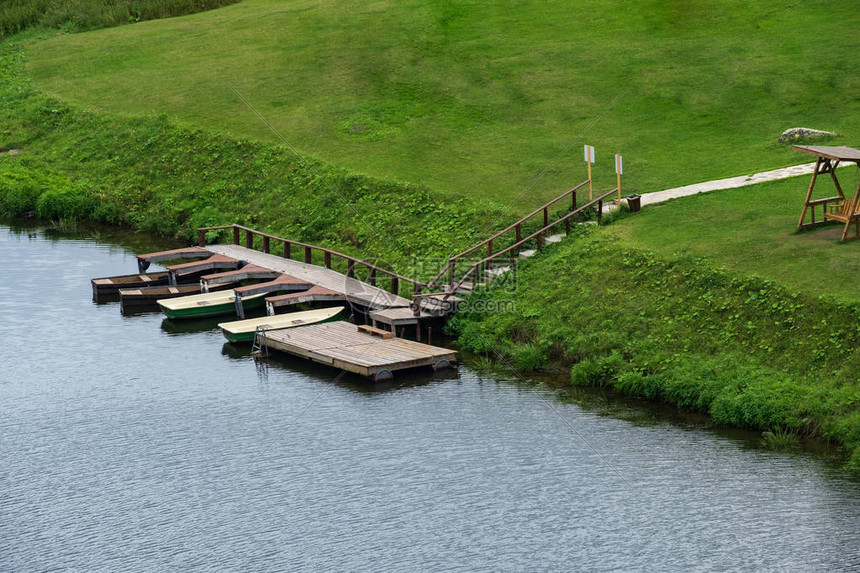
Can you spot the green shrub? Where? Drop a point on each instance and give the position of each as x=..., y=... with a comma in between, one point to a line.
x=528, y=357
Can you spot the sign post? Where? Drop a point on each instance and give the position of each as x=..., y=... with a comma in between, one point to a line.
x=589, y=159
x=619, y=169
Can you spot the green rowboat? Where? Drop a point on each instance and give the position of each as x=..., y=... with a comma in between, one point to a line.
x=207, y=304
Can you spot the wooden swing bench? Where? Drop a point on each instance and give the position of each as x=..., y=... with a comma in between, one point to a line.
x=840, y=208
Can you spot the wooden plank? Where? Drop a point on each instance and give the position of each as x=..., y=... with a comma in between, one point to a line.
x=375, y=331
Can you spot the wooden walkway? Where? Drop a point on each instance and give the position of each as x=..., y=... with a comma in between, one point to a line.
x=351, y=348
x=354, y=290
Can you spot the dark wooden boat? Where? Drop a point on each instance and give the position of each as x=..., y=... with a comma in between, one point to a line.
x=111, y=285
x=146, y=296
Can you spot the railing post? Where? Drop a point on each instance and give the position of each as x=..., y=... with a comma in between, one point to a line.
x=416, y=302
x=395, y=285
x=327, y=259
x=201, y=237
x=567, y=225
x=287, y=249
x=265, y=244
x=249, y=239
x=545, y=216
x=519, y=233
x=490, y=248
x=235, y=235
x=309, y=252
x=599, y=211
x=451, y=264
x=371, y=275
x=540, y=241
x=350, y=268
x=573, y=199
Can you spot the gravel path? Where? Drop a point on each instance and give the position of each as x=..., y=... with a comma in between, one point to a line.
x=730, y=183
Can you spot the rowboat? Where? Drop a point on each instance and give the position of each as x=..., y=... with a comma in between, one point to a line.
x=207, y=304
x=149, y=295
x=111, y=285
x=243, y=330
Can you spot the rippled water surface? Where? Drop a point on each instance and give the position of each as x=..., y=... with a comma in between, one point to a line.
x=129, y=445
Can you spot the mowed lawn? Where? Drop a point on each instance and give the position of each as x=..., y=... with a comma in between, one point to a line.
x=487, y=99
x=753, y=230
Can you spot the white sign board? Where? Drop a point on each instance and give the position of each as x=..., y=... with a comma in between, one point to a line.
x=589, y=153
x=618, y=166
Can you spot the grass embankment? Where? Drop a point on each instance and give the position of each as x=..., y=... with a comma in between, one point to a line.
x=80, y=15
x=753, y=230
x=148, y=174
x=629, y=306
x=478, y=98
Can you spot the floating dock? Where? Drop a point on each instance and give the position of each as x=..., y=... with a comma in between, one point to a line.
x=362, y=350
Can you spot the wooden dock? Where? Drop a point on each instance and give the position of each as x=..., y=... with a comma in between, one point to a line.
x=361, y=350
x=354, y=290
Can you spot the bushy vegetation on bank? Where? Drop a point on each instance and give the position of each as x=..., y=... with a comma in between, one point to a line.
x=81, y=15
x=745, y=350
x=147, y=173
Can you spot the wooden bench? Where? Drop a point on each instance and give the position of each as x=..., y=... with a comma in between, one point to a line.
x=373, y=331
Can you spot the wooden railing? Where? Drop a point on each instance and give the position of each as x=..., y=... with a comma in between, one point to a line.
x=450, y=268
x=295, y=247
x=478, y=269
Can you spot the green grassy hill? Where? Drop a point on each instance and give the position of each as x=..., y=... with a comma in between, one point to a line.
x=482, y=98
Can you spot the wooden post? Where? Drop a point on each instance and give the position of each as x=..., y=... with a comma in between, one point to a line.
x=235, y=235
x=201, y=237
x=599, y=211
x=287, y=249
x=350, y=268
x=309, y=253
x=327, y=258
x=545, y=216
x=265, y=244
x=395, y=285
x=519, y=233
x=451, y=264
x=573, y=200
x=589, y=159
x=371, y=275
x=619, y=169
x=540, y=241
x=851, y=213
x=249, y=239
x=809, y=192
x=490, y=248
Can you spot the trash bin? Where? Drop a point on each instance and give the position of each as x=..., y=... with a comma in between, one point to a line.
x=633, y=201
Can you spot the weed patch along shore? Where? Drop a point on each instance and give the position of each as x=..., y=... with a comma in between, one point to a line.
x=746, y=350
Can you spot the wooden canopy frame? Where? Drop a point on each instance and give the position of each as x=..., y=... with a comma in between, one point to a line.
x=838, y=208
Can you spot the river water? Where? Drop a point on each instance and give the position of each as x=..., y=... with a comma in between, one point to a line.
x=130, y=445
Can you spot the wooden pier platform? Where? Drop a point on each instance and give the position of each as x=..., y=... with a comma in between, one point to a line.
x=355, y=291
x=362, y=350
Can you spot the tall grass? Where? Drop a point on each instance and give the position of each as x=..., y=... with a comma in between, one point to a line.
x=81, y=15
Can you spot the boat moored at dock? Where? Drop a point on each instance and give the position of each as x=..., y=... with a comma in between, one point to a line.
x=207, y=304
x=111, y=285
x=245, y=330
